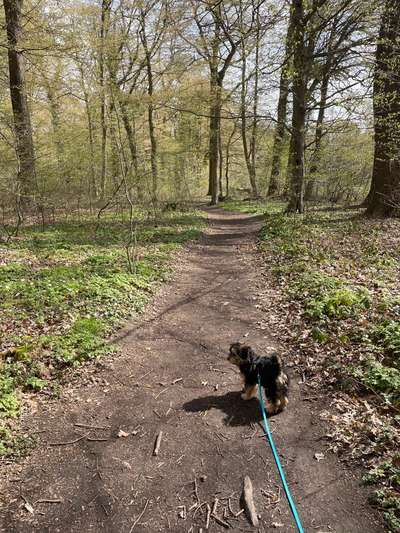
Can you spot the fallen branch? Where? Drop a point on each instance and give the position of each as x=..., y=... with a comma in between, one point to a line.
x=157, y=444
x=88, y=426
x=249, y=501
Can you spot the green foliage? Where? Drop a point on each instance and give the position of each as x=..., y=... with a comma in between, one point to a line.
x=390, y=504
x=338, y=303
x=12, y=445
x=9, y=401
x=319, y=335
x=388, y=471
x=380, y=378
x=387, y=335
x=36, y=383
x=84, y=340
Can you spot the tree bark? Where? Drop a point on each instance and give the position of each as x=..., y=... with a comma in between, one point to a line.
x=105, y=10
x=385, y=189
x=279, y=136
x=93, y=192
x=215, y=122
x=22, y=120
x=150, y=111
x=297, y=142
x=310, y=186
x=249, y=152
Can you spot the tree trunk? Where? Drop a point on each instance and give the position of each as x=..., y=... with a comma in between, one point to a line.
x=221, y=162
x=279, y=136
x=310, y=186
x=93, y=192
x=22, y=121
x=385, y=189
x=105, y=9
x=246, y=150
x=150, y=112
x=227, y=158
x=215, y=122
x=297, y=142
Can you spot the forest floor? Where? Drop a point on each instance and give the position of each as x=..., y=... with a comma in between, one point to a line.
x=93, y=467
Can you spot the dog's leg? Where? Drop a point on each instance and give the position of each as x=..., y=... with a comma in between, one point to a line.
x=250, y=391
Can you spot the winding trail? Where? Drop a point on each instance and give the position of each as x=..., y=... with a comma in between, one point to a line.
x=172, y=376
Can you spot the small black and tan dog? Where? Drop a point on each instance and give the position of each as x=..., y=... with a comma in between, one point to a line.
x=272, y=376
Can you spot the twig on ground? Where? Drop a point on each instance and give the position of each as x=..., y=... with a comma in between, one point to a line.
x=139, y=517
x=220, y=521
x=177, y=380
x=88, y=426
x=214, y=509
x=159, y=394
x=249, y=501
x=196, y=491
x=81, y=437
x=157, y=444
x=47, y=501
x=208, y=516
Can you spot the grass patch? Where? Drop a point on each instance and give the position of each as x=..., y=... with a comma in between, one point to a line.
x=64, y=289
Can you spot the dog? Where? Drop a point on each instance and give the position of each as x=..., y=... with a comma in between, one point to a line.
x=272, y=376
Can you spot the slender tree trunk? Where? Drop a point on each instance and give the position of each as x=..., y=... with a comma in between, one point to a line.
x=93, y=191
x=221, y=162
x=215, y=121
x=310, y=186
x=297, y=142
x=105, y=9
x=227, y=159
x=385, y=190
x=253, y=138
x=57, y=133
x=22, y=120
x=150, y=113
x=243, y=123
x=279, y=136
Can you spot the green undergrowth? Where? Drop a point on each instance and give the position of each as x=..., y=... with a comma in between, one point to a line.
x=341, y=271
x=256, y=207
x=65, y=288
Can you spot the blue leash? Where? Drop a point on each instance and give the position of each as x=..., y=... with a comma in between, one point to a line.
x=278, y=462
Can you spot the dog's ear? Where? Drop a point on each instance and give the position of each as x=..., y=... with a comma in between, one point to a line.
x=245, y=352
x=235, y=348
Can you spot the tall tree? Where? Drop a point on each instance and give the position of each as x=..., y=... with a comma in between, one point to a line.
x=219, y=33
x=250, y=146
x=104, y=24
x=279, y=135
x=297, y=141
x=385, y=193
x=22, y=121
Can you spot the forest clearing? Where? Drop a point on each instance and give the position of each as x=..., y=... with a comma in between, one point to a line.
x=181, y=180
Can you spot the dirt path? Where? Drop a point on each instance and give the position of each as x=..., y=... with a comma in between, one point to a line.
x=107, y=483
